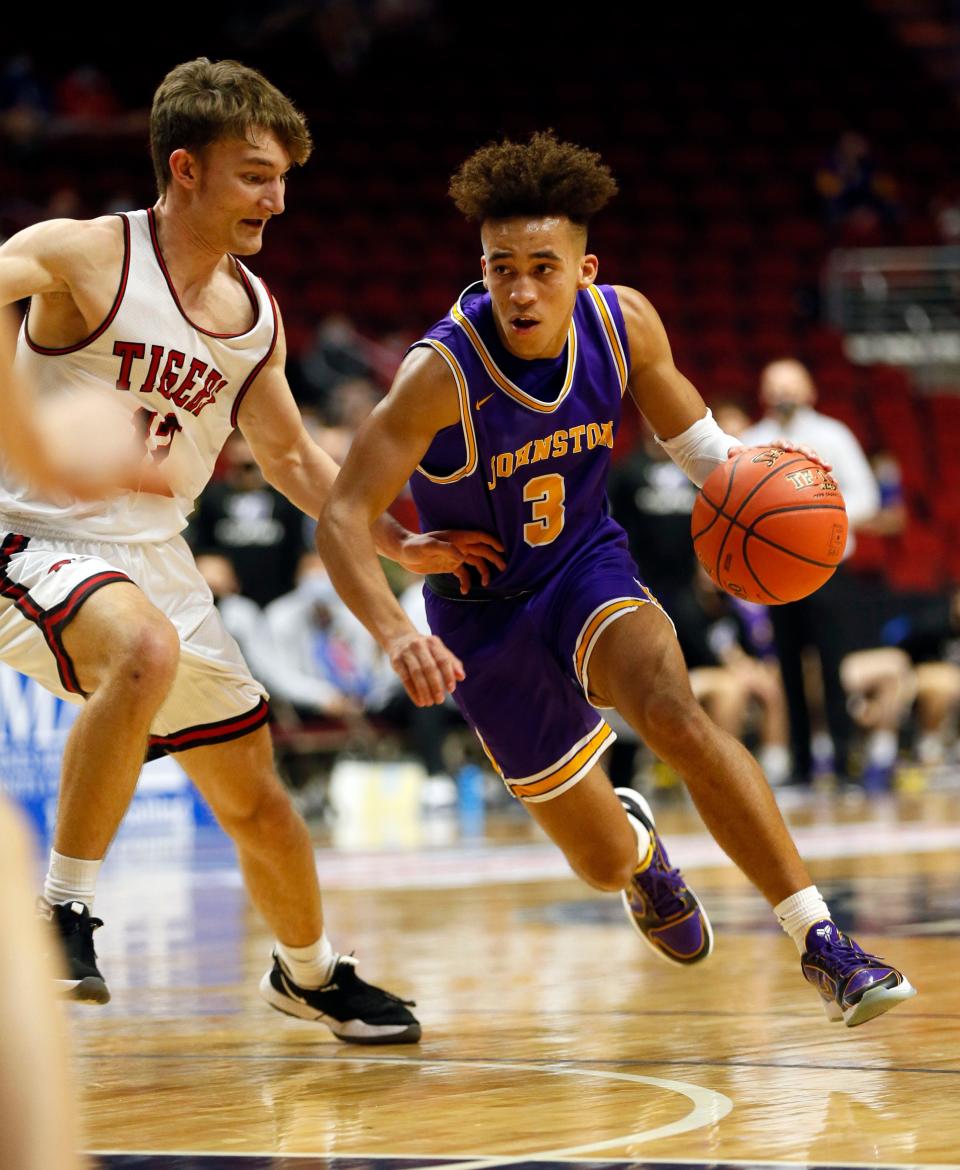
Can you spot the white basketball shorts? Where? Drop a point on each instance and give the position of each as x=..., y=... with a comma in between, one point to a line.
x=43, y=584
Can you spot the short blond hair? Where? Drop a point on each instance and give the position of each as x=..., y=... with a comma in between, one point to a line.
x=202, y=101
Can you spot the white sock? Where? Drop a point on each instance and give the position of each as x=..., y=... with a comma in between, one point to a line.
x=643, y=842
x=70, y=879
x=881, y=747
x=774, y=759
x=310, y=966
x=799, y=912
x=930, y=749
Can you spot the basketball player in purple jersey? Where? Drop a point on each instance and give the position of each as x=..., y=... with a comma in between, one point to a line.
x=504, y=415
x=99, y=598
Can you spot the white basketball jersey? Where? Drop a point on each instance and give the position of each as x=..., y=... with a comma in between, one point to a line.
x=182, y=384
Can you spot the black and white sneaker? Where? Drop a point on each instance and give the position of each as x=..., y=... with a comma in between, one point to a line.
x=354, y=1011
x=72, y=923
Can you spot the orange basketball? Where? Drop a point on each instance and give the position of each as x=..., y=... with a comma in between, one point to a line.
x=769, y=525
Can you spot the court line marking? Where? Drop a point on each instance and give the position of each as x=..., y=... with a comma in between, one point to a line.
x=688, y=1062
x=432, y=1162
x=709, y=1107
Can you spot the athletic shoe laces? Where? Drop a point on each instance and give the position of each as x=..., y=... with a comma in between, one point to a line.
x=346, y=978
x=664, y=886
x=846, y=956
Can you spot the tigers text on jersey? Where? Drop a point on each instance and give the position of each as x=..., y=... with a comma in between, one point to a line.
x=528, y=461
x=183, y=385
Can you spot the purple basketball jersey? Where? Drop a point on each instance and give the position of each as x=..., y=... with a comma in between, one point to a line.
x=528, y=461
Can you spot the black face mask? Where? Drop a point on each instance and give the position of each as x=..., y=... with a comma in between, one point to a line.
x=785, y=410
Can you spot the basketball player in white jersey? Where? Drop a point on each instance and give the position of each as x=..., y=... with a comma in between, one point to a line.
x=100, y=600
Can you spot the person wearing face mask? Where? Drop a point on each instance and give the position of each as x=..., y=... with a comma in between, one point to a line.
x=822, y=621
x=324, y=661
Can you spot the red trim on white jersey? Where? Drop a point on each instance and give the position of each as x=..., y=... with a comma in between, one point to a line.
x=235, y=412
x=52, y=622
x=254, y=304
x=205, y=734
x=124, y=273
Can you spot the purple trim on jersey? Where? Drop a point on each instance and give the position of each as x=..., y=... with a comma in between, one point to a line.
x=154, y=239
x=540, y=480
x=52, y=622
x=207, y=734
x=48, y=351
x=252, y=376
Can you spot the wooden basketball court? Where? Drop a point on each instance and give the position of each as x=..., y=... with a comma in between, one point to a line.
x=551, y=1034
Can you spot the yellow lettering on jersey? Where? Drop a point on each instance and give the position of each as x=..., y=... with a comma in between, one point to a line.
x=542, y=448
x=594, y=435
x=572, y=440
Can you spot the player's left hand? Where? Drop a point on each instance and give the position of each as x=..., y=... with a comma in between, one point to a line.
x=789, y=445
x=450, y=551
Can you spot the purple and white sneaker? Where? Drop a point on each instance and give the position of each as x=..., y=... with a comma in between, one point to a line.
x=663, y=909
x=853, y=985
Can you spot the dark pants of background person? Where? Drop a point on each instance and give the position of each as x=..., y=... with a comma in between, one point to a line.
x=822, y=621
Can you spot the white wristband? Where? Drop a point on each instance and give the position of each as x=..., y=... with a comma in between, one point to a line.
x=700, y=448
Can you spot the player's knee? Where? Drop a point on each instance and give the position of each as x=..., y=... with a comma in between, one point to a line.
x=147, y=656
x=670, y=716
x=262, y=812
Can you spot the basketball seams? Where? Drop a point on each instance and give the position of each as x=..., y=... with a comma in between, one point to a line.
x=743, y=503
x=746, y=500
x=750, y=569
x=749, y=529
x=747, y=532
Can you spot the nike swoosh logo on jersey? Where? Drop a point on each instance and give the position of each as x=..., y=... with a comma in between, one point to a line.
x=481, y=401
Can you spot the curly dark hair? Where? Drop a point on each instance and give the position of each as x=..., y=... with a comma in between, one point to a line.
x=543, y=176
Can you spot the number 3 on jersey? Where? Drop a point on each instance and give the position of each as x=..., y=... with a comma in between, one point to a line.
x=546, y=494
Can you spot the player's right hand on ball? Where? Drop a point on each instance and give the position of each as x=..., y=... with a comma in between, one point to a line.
x=427, y=669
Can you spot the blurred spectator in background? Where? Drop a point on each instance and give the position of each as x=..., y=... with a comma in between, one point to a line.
x=259, y=531
x=325, y=663
x=243, y=618
x=945, y=212
x=348, y=404
x=929, y=633
x=735, y=676
x=731, y=417
x=880, y=686
x=854, y=193
x=335, y=353
x=891, y=517
x=64, y=203
x=824, y=622
x=85, y=100
x=24, y=102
